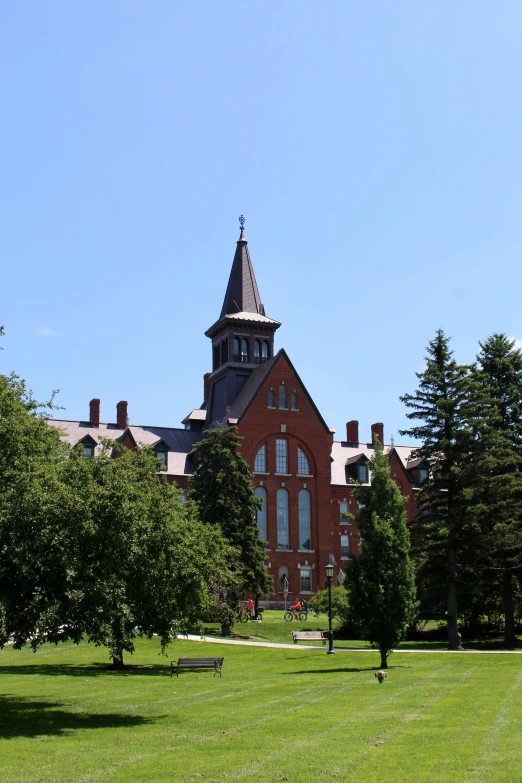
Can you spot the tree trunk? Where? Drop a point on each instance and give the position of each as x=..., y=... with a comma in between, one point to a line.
x=453, y=631
x=384, y=659
x=225, y=629
x=509, y=608
x=117, y=660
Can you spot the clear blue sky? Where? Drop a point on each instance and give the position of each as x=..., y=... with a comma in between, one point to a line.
x=374, y=148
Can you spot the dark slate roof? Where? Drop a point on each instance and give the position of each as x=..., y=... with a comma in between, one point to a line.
x=242, y=294
x=179, y=442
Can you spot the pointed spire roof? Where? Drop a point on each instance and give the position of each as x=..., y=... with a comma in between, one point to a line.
x=242, y=294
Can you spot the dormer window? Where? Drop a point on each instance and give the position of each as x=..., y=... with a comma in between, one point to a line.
x=162, y=456
x=161, y=451
x=362, y=474
x=88, y=445
x=423, y=475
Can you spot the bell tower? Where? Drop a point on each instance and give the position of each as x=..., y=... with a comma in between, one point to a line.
x=242, y=337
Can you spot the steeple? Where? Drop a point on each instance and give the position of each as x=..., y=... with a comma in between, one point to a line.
x=242, y=337
x=242, y=294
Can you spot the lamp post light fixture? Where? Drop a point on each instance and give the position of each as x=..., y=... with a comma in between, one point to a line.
x=329, y=569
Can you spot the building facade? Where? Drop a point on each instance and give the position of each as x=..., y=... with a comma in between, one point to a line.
x=303, y=477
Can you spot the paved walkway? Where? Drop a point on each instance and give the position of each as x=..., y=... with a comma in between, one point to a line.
x=280, y=646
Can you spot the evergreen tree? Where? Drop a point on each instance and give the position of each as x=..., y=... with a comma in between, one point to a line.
x=221, y=486
x=380, y=580
x=439, y=410
x=493, y=474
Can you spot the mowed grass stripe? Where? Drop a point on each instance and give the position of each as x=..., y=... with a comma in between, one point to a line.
x=276, y=741
x=274, y=714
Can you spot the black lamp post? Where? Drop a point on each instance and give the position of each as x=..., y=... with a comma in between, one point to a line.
x=329, y=574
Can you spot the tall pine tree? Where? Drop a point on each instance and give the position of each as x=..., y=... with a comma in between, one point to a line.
x=222, y=487
x=493, y=474
x=438, y=409
x=380, y=580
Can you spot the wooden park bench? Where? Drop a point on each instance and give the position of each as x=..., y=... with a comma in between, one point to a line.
x=311, y=636
x=196, y=663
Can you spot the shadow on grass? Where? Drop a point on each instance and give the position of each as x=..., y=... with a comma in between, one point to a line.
x=25, y=718
x=348, y=669
x=89, y=670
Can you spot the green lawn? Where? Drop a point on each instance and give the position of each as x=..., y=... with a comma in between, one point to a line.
x=274, y=629
x=277, y=714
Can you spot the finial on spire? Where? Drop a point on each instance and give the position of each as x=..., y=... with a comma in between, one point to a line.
x=242, y=226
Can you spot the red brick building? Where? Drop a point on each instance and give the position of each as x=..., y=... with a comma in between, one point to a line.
x=303, y=476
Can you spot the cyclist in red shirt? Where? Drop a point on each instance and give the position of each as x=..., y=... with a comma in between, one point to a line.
x=297, y=606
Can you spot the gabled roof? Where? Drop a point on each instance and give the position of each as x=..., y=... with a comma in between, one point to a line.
x=356, y=458
x=178, y=442
x=344, y=454
x=249, y=391
x=242, y=294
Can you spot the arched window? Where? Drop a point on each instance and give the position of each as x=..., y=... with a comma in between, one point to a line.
x=282, y=519
x=303, y=468
x=264, y=350
x=215, y=358
x=236, y=349
x=294, y=401
x=261, y=513
x=244, y=350
x=257, y=351
x=260, y=460
x=224, y=351
x=282, y=396
x=271, y=399
x=304, y=519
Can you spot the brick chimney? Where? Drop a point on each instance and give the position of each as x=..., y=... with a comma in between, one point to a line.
x=94, y=412
x=121, y=414
x=206, y=386
x=378, y=430
x=352, y=432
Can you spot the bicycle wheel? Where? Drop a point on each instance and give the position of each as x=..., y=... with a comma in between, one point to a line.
x=289, y=616
x=302, y=617
x=243, y=617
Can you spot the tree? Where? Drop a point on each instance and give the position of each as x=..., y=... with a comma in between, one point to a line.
x=438, y=407
x=340, y=605
x=493, y=473
x=380, y=580
x=221, y=486
x=97, y=546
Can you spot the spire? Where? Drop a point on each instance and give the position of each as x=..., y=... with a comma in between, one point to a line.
x=242, y=294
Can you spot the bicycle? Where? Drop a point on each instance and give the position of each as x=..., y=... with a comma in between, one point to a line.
x=292, y=614
x=243, y=615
